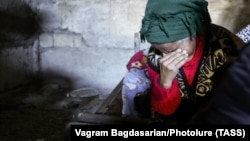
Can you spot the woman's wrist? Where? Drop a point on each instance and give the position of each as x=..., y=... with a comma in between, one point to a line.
x=165, y=84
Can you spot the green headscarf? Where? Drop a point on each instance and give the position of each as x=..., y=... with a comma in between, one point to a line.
x=171, y=20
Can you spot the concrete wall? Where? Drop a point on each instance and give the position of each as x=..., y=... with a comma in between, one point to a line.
x=87, y=43
x=18, y=67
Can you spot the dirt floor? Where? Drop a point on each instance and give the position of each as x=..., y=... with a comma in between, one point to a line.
x=38, y=114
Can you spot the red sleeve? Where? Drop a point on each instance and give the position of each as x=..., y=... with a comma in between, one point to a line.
x=164, y=101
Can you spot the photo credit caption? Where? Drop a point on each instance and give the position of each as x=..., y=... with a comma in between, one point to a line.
x=81, y=132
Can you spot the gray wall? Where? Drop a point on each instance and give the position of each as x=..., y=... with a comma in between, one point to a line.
x=87, y=43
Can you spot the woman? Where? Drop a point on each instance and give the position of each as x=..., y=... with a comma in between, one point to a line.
x=186, y=60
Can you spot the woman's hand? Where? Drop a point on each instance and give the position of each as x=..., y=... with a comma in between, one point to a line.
x=170, y=65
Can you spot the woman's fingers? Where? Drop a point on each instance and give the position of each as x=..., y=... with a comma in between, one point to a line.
x=174, y=60
x=170, y=56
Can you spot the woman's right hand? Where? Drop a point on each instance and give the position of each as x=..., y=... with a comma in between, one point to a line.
x=169, y=66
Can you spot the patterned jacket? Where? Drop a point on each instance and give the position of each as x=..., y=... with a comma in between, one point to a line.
x=231, y=101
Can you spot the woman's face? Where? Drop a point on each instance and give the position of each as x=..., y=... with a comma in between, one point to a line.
x=188, y=44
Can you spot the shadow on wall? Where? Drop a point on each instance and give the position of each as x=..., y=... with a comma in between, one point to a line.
x=18, y=21
x=242, y=20
x=20, y=26
x=52, y=77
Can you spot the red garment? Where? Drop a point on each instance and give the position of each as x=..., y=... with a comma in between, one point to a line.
x=137, y=61
x=166, y=101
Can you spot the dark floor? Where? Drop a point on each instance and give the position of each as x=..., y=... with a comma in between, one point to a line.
x=39, y=114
